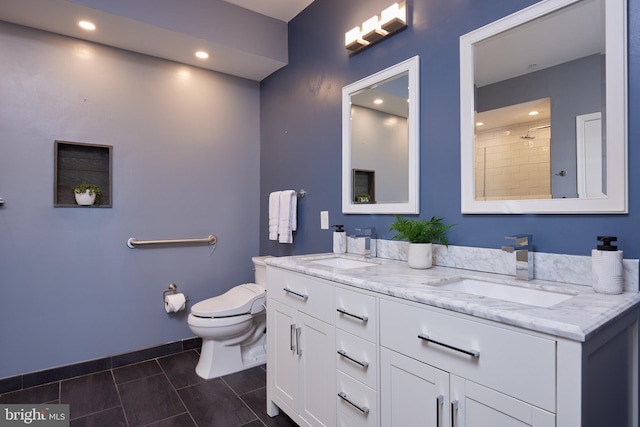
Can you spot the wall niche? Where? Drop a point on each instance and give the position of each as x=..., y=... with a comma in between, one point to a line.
x=76, y=163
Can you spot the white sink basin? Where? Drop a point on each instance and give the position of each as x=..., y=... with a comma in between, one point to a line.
x=522, y=295
x=343, y=263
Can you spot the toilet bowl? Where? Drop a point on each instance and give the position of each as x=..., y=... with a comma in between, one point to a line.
x=232, y=327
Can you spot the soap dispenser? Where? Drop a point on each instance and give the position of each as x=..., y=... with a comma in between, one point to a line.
x=339, y=239
x=606, y=267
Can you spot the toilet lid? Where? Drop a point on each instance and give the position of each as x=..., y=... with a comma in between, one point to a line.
x=235, y=301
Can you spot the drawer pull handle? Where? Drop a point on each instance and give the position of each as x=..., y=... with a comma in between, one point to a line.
x=289, y=291
x=345, y=312
x=454, y=413
x=439, y=402
x=362, y=409
x=346, y=356
x=472, y=353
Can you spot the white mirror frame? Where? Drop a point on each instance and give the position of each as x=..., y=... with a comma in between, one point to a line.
x=616, y=117
x=412, y=66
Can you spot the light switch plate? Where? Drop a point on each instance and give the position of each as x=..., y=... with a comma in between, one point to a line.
x=324, y=220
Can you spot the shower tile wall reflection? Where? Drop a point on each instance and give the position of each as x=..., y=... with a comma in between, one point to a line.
x=513, y=162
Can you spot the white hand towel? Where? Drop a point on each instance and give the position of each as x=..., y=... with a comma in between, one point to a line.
x=274, y=214
x=288, y=212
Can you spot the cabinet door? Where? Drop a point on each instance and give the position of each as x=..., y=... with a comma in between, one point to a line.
x=317, y=368
x=285, y=357
x=412, y=393
x=473, y=405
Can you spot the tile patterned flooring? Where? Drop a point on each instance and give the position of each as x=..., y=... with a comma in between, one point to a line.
x=162, y=392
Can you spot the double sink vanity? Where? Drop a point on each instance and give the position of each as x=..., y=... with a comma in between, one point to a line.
x=357, y=341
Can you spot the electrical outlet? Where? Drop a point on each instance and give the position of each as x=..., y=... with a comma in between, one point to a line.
x=324, y=220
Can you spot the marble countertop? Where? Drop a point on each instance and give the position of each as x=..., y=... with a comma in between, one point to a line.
x=576, y=318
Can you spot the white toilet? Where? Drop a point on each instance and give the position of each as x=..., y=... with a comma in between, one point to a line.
x=232, y=327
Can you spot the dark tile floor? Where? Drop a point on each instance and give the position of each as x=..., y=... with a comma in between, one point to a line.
x=163, y=392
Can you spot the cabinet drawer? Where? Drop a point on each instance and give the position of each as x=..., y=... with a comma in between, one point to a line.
x=357, y=358
x=358, y=405
x=304, y=293
x=516, y=363
x=357, y=313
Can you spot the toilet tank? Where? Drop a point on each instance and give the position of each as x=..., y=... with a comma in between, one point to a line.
x=260, y=269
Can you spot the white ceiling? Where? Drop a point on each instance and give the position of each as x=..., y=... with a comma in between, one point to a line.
x=252, y=47
x=284, y=10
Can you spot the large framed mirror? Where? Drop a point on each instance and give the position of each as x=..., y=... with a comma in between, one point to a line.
x=380, y=142
x=543, y=99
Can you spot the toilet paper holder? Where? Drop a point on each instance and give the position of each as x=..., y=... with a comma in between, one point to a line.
x=174, y=289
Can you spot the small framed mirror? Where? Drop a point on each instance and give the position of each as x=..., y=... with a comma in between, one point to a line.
x=543, y=99
x=380, y=142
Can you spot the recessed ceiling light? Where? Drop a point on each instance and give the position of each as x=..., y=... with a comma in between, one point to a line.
x=378, y=101
x=480, y=124
x=86, y=25
x=202, y=54
x=533, y=113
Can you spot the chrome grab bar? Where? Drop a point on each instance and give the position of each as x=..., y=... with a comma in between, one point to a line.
x=362, y=409
x=345, y=312
x=472, y=353
x=289, y=291
x=133, y=242
x=346, y=356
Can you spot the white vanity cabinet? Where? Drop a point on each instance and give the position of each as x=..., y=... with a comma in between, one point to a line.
x=433, y=365
x=300, y=342
x=343, y=356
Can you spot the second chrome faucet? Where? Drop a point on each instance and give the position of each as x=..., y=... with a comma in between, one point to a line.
x=524, y=255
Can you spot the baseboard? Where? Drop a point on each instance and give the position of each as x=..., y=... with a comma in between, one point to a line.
x=33, y=379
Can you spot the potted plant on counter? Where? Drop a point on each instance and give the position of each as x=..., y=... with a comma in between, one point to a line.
x=87, y=194
x=421, y=234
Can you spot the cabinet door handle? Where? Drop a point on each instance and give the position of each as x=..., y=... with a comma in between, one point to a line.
x=292, y=336
x=292, y=292
x=472, y=353
x=439, y=402
x=344, y=397
x=346, y=356
x=298, y=346
x=345, y=312
x=454, y=413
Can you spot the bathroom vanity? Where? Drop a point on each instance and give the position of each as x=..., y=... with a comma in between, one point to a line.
x=356, y=341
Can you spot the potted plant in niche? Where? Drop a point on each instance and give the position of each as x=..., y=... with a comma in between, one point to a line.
x=87, y=194
x=420, y=234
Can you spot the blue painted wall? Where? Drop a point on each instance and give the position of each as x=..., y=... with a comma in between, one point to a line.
x=301, y=122
x=185, y=164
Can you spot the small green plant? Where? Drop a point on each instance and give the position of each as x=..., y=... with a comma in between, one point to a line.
x=421, y=230
x=93, y=189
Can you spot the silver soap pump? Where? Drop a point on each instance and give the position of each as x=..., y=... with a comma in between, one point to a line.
x=339, y=239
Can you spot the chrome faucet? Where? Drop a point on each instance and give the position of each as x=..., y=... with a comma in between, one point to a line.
x=367, y=233
x=524, y=255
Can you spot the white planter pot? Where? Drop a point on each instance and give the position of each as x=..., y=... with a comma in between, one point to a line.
x=420, y=255
x=85, y=199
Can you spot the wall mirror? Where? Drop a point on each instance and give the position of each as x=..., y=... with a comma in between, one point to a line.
x=380, y=142
x=543, y=119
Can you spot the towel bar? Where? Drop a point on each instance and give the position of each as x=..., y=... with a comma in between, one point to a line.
x=133, y=242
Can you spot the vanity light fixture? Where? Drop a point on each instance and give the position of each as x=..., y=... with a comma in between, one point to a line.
x=87, y=25
x=374, y=29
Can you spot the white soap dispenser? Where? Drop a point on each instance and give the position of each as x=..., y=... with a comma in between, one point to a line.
x=606, y=267
x=339, y=239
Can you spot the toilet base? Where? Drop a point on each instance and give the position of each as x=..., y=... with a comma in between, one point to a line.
x=217, y=360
